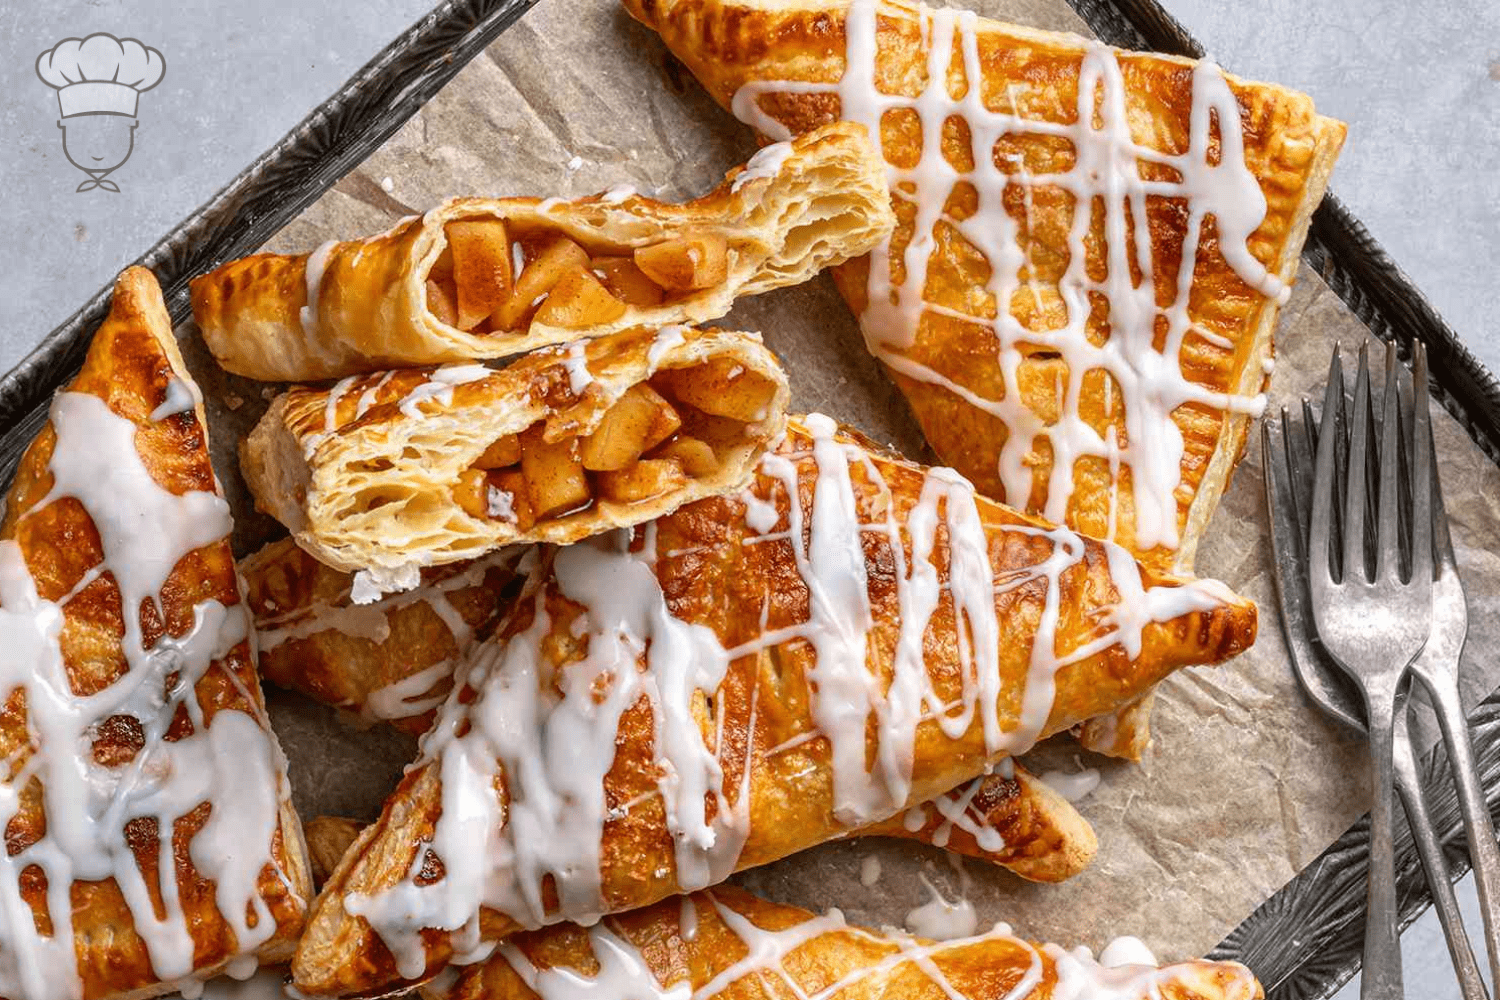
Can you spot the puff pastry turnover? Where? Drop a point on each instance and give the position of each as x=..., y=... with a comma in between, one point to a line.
x=752, y=675
x=1079, y=295
x=729, y=945
x=386, y=473
x=486, y=278
x=150, y=838
x=390, y=661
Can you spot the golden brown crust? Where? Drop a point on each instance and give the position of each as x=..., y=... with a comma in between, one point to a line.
x=381, y=662
x=824, y=204
x=1042, y=837
x=130, y=365
x=1289, y=149
x=741, y=591
x=363, y=473
x=689, y=944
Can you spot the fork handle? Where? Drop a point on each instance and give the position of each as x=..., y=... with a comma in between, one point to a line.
x=1380, y=977
x=1430, y=851
x=1484, y=852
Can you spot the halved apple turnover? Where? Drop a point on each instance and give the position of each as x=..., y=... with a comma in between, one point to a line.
x=385, y=474
x=486, y=278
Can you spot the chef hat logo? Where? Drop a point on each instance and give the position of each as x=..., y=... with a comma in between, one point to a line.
x=100, y=74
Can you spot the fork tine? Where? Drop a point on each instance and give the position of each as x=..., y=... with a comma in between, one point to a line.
x=1288, y=462
x=1387, y=530
x=1357, y=480
x=1320, y=517
x=1301, y=462
x=1426, y=491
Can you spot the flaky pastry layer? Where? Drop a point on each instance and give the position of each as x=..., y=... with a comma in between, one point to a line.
x=387, y=473
x=365, y=305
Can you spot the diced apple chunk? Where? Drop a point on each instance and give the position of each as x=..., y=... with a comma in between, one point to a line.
x=695, y=456
x=504, y=451
x=536, y=279
x=469, y=492
x=481, y=268
x=721, y=389
x=650, y=477
x=512, y=483
x=622, y=277
x=579, y=300
x=441, y=303
x=638, y=420
x=555, y=480
x=687, y=263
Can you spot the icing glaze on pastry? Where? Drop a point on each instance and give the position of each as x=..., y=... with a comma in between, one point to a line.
x=1149, y=379
x=552, y=735
x=741, y=945
x=198, y=746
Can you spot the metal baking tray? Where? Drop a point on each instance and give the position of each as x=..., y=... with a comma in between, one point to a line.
x=1304, y=941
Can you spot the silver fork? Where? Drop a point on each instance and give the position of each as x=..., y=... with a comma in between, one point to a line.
x=1371, y=620
x=1288, y=472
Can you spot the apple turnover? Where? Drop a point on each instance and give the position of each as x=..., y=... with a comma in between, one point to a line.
x=151, y=841
x=849, y=635
x=390, y=661
x=385, y=474
x=727, y=944
x=485, y=278
x=1079, y=295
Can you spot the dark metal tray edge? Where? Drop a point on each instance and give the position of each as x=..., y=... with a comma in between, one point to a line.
x=1306, y=940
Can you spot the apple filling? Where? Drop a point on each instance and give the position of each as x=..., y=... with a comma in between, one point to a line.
x=494, y=278
x=682, y=424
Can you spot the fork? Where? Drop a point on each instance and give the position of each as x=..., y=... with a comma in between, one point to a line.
x=1287, y=505
x=1370, y=620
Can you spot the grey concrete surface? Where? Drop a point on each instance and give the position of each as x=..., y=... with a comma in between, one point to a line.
x=1419, y=83
x=239, y=75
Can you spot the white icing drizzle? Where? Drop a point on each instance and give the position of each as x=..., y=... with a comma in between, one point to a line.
x=232, y=763
x=1126, y=950
x=1106, y=167
x=439, y=386
x=617, y=194
x=552, y=734
x=869, y=870
x=1073, y=787
x=317, y=261
x=624, y=974
x=576, y=361
x=500, y=504
x=330, y=415
x=765, y=164
x=369, y=396
x=182, y=396
x=957, y=809
x=939, y=918
x=667, y=340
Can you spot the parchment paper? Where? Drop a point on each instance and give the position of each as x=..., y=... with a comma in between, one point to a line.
x=1245, y=783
